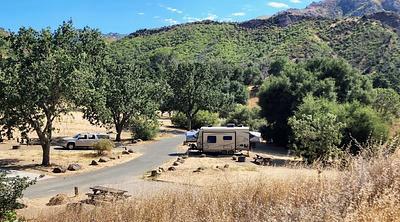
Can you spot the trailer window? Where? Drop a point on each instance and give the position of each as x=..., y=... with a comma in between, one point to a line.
x=211, y=139
x=227, y=137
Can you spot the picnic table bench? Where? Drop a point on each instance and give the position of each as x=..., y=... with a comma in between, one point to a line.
x=106, y=193
x=262, y=160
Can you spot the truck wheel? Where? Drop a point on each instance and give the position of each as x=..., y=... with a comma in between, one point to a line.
x=71, y=146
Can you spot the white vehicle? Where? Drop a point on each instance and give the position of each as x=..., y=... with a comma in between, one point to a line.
x=223, y=139
x=83, y=140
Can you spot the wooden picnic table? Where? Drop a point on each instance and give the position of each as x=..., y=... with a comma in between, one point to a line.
x=100, y=192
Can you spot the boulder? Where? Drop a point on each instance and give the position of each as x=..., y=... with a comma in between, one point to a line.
x=74, y=167
x=155, y=173
x=113, y=157
x=139, y=140
x=176, y=163
x=161, y=169
x=125, y=152
x=184, y=157
x=199, y=170
x=59, y=169
x=59, y=199
x=131, y=151
x=104, y=159
x=94, y=163
x=234, y=158
x=203, y=155
x=171, y=169
x=226, y=166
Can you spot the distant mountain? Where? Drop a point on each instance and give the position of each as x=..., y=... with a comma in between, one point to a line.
x=343, y=8
x=114, y=36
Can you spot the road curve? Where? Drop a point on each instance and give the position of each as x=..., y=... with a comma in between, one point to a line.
x=129, y=173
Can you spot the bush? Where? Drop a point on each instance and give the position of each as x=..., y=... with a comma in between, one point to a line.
x=202, y=118
x=319, y=127
x=11, y=189
x=103, y=146
x=145, y=129
x=243, y=115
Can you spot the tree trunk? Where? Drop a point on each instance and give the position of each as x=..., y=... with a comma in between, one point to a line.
x=119, y=131
x=189, y=119
x=46, y=152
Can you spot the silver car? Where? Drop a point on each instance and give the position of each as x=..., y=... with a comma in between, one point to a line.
x=83, y=140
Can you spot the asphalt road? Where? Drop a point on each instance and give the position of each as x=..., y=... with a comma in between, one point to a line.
x=125, y=176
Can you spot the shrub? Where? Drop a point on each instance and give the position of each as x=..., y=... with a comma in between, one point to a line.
x=103, y=146
x=202, y=118
x=11, y=189
x=243, y=115
x=145, y=129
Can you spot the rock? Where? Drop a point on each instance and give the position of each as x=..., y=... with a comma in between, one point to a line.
x=16, y=147
x=112, y=158
x=74, y=167
x=139, y=140
x=161, y=169
x=125, y=152
x=226, y=166
x=94, y=163
x=176, y=163
x=59, y=199
x=119, y=157
x=59, y=169
x=131, y=151
x=104, y=159
x=171, y=169
x=41, y=176
x=155, y=173
x=185, y=157
x=199, y=170
x=134, y=141
x=180, y=160
x=203, y=155
x=234, y=158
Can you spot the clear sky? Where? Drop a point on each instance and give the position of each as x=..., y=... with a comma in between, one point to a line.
x=126, y=16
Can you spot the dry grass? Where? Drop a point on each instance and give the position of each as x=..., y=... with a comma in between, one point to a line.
x=368, y=190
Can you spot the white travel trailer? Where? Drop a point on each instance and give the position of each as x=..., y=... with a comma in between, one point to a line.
x=223, y=139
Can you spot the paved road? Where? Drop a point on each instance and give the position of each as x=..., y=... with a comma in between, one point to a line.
x=124, y=176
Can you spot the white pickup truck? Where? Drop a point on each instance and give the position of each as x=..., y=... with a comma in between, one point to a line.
x=83, y=140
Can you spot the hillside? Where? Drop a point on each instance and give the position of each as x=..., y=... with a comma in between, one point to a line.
x=365, y=43
x=343, y=8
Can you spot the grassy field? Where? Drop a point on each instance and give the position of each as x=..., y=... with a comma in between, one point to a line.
x=368, y=189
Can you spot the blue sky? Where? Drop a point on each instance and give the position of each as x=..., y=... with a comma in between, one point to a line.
x=126, y=16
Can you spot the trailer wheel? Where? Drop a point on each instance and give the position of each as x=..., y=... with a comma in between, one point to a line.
x=231, y=152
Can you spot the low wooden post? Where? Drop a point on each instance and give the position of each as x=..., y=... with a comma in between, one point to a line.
x=76, y=191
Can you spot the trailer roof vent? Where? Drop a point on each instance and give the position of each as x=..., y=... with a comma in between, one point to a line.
x=230, y=125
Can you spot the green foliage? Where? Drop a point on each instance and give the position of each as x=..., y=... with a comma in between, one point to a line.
x=202, y=118
x=122, y=93
x=321, y=127
x=387, y=103
x=45, y=73
x=195, y=88
x=242, y=115
x=144, y=128
x=281, y=94
x=11, y=189
x=365, y=44
x=104, y=146
x=364, y=124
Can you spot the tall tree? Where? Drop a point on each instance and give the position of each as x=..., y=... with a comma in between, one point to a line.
x=123, y=93
x=194, y=88
x=45, y=72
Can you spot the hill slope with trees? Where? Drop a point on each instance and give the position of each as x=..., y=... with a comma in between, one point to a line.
x=366, y=44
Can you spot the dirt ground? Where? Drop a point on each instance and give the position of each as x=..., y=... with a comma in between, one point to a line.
x=28, y=158
x=225, y=170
